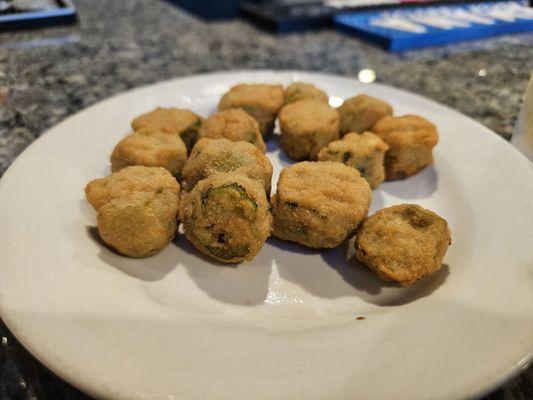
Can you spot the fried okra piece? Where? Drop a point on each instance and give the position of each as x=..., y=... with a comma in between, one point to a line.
x=319, y=204
x=150, y=148
x=261, y=101
x=297, y=91
x=137, y=209
x=360, y=113
x=306, y=127
x=140, y=224
x=127, y=181
x=403, y=243
x=177, y=121
x=212, y=156
x=226, y=216
x=234, y=124
x=411, y=140
x=363, y=152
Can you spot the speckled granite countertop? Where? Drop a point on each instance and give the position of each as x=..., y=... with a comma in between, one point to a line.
x=48, y=74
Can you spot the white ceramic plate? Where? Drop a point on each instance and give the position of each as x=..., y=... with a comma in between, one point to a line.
x=178, y=326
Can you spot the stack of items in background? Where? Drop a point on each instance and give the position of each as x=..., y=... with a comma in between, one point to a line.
x=394, y=24
x=24, y=14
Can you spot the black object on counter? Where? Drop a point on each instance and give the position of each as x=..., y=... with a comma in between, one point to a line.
x=21, y=15
x=210, y=9
x=288, y=16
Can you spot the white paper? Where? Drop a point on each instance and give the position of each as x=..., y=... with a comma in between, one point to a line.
x=523, y=134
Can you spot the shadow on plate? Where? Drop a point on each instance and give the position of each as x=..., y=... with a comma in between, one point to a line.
x=244, y=284
x=152, y=268
x=373, y=290
x=419, y=186
x=291, y=248
x=274, y=146
x=343, y=276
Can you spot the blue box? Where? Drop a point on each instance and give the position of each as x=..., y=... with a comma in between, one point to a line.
x=375, y=26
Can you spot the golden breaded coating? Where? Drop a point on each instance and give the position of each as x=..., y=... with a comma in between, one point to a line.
x=261, y=101
x=363, y=152
x=173, y=120
x=360, y=113
x=150, y=148
x=411, y=140
x=139, y=224
x=403, y=243
x=319, y=204
x=306, y=127
x=212, y=156
x=297, y=91
x=127, y=181
x=234, y=124
x=226, y=216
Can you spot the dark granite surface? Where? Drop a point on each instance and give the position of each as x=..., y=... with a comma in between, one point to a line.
x=48, y=74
